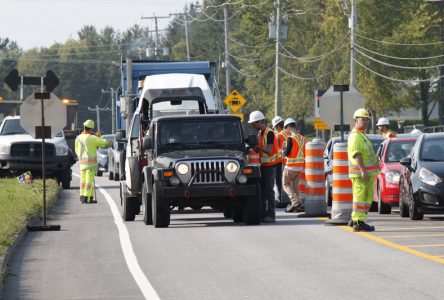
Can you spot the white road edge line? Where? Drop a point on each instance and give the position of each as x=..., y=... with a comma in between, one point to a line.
x=130, y=257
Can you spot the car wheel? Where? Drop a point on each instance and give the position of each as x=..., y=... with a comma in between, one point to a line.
x=99, y=173
x=161, y=207
x=64, y=179
x=227, y=212
x=328, y=192
x=238, y=213
x=383, y=208
x=414, y=212
x=403, y=207
x=252, y=208
x=116, y=173
x=147, y=206
x=110, y=175
x=129, y=208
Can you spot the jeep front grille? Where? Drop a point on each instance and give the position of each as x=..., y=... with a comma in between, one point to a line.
x=208, y=177
x=31, y=150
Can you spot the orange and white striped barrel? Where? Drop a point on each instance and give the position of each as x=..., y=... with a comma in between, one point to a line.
x=342, y=188
x=253, y=157
x=315, y=180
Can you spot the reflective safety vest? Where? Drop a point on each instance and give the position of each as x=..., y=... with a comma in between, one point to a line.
x=86, y=148
x=253, y=157
x=358, y=142
x=389, y=134
x=272, y=158
x=296, y=158
x=281, y=137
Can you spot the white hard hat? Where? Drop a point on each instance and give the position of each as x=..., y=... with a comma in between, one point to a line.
x=383, y=121
x=289, y=121
x=256, y=116
x=276, y=120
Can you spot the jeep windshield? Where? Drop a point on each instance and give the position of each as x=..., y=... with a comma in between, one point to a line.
x=192, y=134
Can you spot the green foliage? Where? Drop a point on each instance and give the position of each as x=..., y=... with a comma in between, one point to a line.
x=20, y=202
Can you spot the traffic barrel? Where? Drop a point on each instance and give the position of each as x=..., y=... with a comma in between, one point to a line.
x=315, y=179
x=253, y=157
x=342, y=195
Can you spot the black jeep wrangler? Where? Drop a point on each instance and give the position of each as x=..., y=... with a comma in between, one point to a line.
x=195, y=161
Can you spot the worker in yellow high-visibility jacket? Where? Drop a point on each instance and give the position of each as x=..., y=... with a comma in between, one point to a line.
x=363, y=168
x=86, y=149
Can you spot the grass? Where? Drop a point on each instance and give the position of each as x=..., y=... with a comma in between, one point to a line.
x=20, y=202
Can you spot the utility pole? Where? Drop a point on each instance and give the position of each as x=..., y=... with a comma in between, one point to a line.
x=129, y=89
x=277, y=95
x=113, y=109
x=186, y=32
x=98, y=110
x=227, y=62
x=352, y=24
x=156, y=30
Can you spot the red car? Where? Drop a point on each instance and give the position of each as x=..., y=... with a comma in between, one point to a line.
x=389, y=154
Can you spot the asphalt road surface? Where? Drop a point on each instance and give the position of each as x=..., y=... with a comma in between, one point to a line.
x=204, y=256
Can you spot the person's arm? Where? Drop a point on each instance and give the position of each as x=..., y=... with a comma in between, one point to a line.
x=289, y=146
x=360, y=163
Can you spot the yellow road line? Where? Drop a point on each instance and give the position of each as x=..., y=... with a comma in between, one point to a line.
x=408, y=236
x=439, y=255
x=421, y=246
x=396, y=246
x=410, y=228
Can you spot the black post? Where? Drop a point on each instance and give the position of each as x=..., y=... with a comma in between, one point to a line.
x=342, y=117
x=42, y=96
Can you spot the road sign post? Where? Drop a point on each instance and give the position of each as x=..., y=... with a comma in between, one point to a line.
x=29, y=112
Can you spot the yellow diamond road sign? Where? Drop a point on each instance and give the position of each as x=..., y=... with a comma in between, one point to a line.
x=235, y=101
x=320, y=124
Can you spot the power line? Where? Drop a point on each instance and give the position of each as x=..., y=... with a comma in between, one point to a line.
x=396, y=57
x=398, y=44
x=397, y=66
x=394, y=79
x=310, y=78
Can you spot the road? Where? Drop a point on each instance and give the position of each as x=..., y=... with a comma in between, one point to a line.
x=204, y=256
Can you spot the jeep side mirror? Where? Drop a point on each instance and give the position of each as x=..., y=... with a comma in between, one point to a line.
x=121, y=136
x=252, y=140
x=147, y=143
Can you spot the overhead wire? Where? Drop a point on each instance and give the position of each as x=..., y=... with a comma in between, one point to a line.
x=250, y=59
x=310, y=78
x=317, y=58
x=249, y=74
x=396, y=57
x=392, y=78
x=399, y=44
x=397, y=66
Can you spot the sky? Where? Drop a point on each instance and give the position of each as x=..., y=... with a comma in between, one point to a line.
x=41, y=23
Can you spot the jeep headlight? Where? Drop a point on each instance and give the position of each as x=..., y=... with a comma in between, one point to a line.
x=183, y=169
x=61, y=150
x=232, y=167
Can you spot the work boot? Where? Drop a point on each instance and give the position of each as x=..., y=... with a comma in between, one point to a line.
x=294, y=208
x=350, y=223
x=91, y=200
x=362, y=226
x=82, y=199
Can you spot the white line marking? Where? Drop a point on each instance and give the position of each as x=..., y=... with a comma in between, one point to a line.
x=130, y=257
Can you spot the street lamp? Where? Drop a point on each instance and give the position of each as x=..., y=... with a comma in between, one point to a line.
x=441, y=69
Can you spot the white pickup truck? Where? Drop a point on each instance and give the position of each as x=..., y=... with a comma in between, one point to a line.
x=20, y=152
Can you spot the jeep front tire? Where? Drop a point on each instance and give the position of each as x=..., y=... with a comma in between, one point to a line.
x=161, y=207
